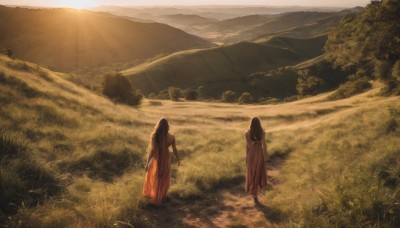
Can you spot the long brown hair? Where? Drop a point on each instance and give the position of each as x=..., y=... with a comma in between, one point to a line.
x=256, y=132
x=159, y=136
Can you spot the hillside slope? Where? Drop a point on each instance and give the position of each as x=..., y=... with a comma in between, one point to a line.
x=71, y=158
x=302, y=24
x=227, y=68
x=66, y=39
x=184, y=20
x=318, y=28
x=307, y=47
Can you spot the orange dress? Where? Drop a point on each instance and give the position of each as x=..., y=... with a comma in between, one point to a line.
x=158, y=175
x=256, y=176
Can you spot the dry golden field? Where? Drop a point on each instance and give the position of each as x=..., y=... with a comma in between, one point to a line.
x=72, y=158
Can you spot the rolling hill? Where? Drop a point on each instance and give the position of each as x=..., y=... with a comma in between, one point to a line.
x=184, y=20
x=226, y=68
x=292, y=24
x=318, y=28
x=66, y=39
x=219, y=12
x=71, y=158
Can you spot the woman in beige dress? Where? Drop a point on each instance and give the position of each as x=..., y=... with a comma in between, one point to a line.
x=256, y=176
x=158, y=165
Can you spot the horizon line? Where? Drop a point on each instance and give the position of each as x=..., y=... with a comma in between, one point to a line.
x=183, y=5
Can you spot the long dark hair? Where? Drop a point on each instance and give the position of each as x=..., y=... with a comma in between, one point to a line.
x=159, y=135
x=256, y=132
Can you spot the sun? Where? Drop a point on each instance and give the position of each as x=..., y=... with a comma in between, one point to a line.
x=76, y=4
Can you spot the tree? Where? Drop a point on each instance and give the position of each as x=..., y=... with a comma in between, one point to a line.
x=308, y=84
x=246, y=98
x=119, y=89
x=136, y=98
x=163, y=94
x=8, y=52
x=396, y=71
x=174, y=93
x=228, y=96
x=201, y=92
x=372, y=36
x=191, y=94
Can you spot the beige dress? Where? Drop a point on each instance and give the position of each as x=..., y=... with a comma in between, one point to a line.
x=158, y=175
x=256, y=176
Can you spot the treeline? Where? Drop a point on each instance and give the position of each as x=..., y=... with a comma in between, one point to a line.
x=369, y=42
x=362, y=47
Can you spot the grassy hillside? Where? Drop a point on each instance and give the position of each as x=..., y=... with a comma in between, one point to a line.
x=309, y=48
x=330, y=163
x=320, y=27
x=227, y=68
x=66, y=39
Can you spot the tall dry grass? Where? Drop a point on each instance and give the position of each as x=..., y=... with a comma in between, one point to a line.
x=340, y=158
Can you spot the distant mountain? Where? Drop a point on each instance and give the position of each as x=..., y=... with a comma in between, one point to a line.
x=66, y=39
x=184, y=20
x=219, y=12
x=220, y=30
x=302, y=24
x=226, y=68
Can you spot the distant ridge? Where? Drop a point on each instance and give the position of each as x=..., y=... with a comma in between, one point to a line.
x=66, y=39
x=224, y=68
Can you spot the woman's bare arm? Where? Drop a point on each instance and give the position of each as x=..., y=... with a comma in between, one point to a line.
x=175, y=151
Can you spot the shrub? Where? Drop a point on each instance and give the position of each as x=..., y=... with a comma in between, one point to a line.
x=396, y=71
x=201, y=92
x=383, y=70
x=136, y=98
x=174, y=93
x=291, y=98
x=118, y=88
x=152, y=95
x=163, y=94
x=228, y=96
x=8, y=52
x=18, y=65
x=191, y=94
x=268, y=100
x=308, y=84
x=246, y=98
x=351, y=88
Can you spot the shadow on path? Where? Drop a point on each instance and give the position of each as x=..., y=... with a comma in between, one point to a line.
x=273, y=215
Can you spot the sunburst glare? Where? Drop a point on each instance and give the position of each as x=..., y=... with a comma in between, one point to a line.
x=76, y=4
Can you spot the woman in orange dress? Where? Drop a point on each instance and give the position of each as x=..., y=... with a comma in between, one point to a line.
x=158, y=165
x=256, y=176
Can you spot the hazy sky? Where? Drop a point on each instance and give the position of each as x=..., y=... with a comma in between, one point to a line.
x=91, y=3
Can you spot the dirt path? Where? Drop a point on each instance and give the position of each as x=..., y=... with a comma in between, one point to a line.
x=227, y=207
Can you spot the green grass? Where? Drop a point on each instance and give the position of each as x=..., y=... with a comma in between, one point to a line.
x=76, y=158
x=347, y=175
x=308, y=47
x=351, y=88
x=220, y=69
